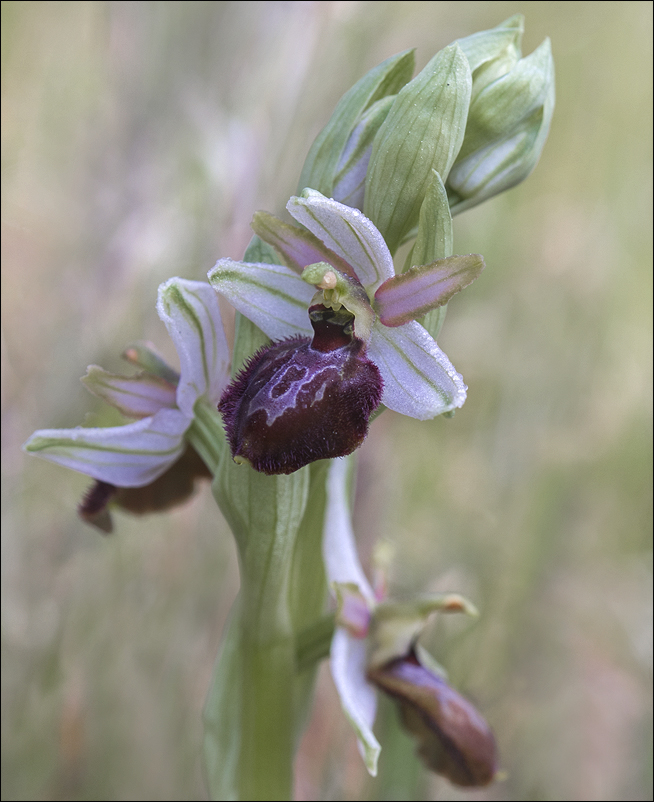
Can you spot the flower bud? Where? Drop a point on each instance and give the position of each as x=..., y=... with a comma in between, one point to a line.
x=510, y=112
x=297, y=401
x=453, y=738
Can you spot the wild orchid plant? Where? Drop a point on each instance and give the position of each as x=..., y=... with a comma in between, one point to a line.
x=328, y=334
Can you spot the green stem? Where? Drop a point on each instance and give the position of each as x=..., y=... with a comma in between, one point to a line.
x=261, y=690
x=249, y=716
x=207, y=436
x=312, y=644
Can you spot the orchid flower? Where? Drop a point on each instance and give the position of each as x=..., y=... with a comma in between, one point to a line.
x=164, y=404
x=300, y=399
x=342, y=254
x=374, y=646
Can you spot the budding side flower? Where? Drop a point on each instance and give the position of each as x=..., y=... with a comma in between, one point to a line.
x=300, y=400
x=509, y=118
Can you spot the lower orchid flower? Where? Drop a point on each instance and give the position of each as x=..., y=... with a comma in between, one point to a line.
x=375, y=645
x=150, y=464
x=337, y=270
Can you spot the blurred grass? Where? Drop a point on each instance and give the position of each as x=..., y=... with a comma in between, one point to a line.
x=138, y=138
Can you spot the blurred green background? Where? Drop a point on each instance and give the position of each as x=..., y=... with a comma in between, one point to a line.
x=138, y=139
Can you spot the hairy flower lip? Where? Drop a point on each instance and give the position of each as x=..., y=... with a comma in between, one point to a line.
x=175, y=486
x=300, y=400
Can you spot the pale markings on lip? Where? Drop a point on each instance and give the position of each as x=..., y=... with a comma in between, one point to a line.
x=275, y=407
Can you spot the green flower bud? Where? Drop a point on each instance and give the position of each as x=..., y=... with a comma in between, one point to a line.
x=343, y=146
x=509, y=118
x=423, y=132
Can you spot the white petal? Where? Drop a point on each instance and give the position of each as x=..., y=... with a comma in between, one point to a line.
x=358, y=698
x=273, y=297
x=348, y=233
x=419, y=380
x=192, y=316
x=338, y=545
x=348, y=656
x=127, y=456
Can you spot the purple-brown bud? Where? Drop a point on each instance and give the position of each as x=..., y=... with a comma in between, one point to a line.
x=453, y=738
x=301, y=400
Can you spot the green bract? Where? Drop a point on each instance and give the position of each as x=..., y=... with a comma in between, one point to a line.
x=341, y=150
x=493, y=53
x=422, y=132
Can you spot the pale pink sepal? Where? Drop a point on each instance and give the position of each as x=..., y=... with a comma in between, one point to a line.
x=348, y=233
x=297, y=246
x=134, y=396
x=273, y=297
x=353, y=610
x=414, y=293
x=348, y=660
x=348, y=656
x=339, y=550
